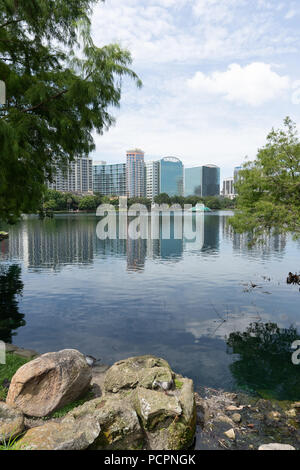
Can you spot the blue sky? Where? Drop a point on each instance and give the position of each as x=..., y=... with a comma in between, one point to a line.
x=217, y=76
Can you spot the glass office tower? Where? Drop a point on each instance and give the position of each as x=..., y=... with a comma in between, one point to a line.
x=193, y=181
x=171, y=176
x=109, y=180
x=210, y=180
x=202, y=181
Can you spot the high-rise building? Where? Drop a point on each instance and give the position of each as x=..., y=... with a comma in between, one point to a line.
x=236, y=176
x=152, y=171
x=228, y=188
x=236, y=171
x=202, y=181
x=193, y=181
x=77, y=177
x=171, y=176
x=210, y=180
x=109, y=180
x=135, y=173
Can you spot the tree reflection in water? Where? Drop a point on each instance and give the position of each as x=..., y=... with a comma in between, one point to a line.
x=11, y=287
x=265, y=361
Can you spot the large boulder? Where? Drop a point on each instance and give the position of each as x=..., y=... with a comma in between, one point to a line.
x=11, y=422
x=102, y=423
x=144, y=371
x=69, y=434
x=119, y=423
x=143, y=405
x=163, y=400
x=49, y=382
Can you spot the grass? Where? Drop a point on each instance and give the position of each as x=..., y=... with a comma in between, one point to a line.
x=8, y=370
x=12, y=443
x=63, y=411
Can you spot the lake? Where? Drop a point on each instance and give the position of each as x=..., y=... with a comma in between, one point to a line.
x=220, y=313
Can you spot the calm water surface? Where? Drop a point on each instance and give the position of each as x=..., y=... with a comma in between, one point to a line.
x=197, y=307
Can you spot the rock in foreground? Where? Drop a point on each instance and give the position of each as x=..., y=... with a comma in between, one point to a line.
x=49, y=382
x=11, y=422
x=276, y=446
x=144, y=405
x=69, y=434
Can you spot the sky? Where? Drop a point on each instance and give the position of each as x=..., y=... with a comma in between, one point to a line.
x=217, y=76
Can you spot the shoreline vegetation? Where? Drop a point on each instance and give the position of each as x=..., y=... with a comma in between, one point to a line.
x=3, y=235
x=213, y=419
x=55, y=201
x=93, y=212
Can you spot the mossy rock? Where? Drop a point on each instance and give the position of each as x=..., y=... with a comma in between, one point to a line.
x=142, y=371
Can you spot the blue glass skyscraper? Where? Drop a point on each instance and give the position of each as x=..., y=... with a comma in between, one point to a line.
x=202, y=181
x=171, y=176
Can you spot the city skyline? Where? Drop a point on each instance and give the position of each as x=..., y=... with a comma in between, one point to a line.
x=150, y=159
x=217, y=77
x=141, y=178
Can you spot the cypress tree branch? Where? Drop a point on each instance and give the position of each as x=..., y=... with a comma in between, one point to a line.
x=10, y=22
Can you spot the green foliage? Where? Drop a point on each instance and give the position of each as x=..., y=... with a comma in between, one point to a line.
x=178, y=384
x=11, y=286
x=193, y=200
x=8, y=370
x=178, y=200
x=63, y=411
x=55, y=99
x=89, y=203
x=213, y=202
x=12, y=443
x=269, y=187
x=162, y=198
x=58, y=201
x=263, y=364
x=139, y=200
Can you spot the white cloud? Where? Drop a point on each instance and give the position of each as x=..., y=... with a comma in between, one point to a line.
x=290, y=14
x=165, y=31
x=254, y=84
x=215, y=11
x=172, y=39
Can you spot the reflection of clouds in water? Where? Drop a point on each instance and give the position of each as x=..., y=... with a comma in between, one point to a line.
x=222, y=326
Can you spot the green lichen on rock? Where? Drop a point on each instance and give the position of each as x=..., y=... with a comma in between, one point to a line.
x=178, y=384
x=137, y=371
x=182, y=434
x=163, y=400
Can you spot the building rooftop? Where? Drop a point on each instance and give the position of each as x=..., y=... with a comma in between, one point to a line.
x=135, y=151
x=171, y=159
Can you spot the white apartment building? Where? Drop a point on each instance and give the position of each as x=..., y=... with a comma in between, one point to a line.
x=152, y=179
x=228, y=188
x=76, y=178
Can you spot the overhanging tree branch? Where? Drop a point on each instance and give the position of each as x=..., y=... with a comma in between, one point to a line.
x=54, y=97
x=10, y=22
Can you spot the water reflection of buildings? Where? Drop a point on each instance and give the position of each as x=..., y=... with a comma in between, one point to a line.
x=53, y=243
x=240, y=242
x=154, y=247
x=211, y=233
x=136, y=254
x=57, y=242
